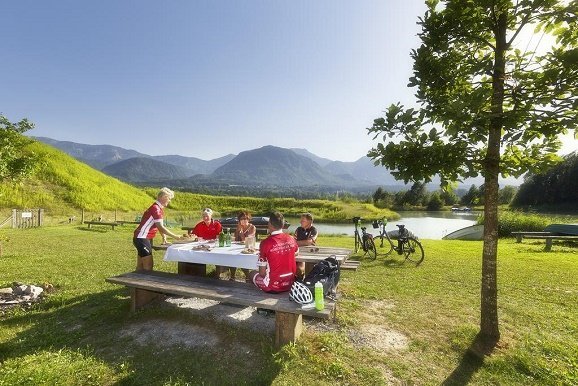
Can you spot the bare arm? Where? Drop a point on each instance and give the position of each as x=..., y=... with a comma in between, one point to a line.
x=165, y=231
x=304, y=243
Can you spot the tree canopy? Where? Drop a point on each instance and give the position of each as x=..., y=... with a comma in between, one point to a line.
x=15, y=161
x=557, y=186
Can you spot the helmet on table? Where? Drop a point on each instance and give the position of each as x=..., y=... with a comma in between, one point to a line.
x=300, y=293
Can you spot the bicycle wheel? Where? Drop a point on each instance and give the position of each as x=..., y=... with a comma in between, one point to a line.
x=357, y=243
x=413, y=251
x=370, y=249
x=385, y=245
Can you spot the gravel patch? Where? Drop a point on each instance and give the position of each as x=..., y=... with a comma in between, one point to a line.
x=170, y=334
x=378, y=338
x=248, y=317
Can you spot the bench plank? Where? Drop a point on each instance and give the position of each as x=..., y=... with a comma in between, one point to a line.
x=111, y=224
x=520, y=235
x=549, y=239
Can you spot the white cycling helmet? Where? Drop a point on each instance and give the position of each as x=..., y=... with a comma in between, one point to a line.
x=300, y=293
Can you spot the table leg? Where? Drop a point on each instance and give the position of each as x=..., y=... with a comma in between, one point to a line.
x=288, y=328
x=192, y=269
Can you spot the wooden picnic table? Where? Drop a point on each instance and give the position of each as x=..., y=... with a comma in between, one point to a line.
x=192, y=259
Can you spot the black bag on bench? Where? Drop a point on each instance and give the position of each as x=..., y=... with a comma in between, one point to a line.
x=327, y=272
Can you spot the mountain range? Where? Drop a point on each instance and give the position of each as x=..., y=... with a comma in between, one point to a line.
x=266, y=167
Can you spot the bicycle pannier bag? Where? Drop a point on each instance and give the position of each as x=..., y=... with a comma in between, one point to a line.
x=325, y=271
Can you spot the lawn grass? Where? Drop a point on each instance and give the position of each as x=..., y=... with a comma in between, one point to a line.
x=76, y=336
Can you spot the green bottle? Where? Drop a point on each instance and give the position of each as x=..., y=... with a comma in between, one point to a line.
x=319, y=301
x=228, y=238
x=221, y=239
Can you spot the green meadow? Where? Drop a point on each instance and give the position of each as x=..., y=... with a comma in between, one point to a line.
x=396, y=323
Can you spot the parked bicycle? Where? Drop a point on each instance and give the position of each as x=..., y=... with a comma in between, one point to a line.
x=363, y=240
x=407, y=243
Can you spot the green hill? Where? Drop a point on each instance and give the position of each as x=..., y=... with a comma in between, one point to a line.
x=61, y=184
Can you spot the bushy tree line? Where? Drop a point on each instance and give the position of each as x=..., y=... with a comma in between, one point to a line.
x=557, y=186
x=418, y=197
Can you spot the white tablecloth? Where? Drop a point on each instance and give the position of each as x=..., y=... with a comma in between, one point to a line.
x=227, y=256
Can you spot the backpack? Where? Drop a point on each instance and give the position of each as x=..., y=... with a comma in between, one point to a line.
x=327, y=272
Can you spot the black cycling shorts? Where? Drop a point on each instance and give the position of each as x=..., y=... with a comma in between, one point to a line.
x=144, y=247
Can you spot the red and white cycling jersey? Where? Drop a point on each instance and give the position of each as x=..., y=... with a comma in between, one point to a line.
x=147, y=229
x=277, y=252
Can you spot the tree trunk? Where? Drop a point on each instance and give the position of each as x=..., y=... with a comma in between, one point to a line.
x=489, y=329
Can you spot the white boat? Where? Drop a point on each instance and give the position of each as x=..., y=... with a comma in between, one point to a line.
x=473, y=232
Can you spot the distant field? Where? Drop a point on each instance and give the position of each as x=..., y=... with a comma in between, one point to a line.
x=396, y=324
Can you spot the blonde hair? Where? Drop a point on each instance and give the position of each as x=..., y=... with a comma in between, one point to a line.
x=165, y=192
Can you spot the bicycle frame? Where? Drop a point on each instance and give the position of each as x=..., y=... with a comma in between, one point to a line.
x=363, y=240
x=383, y=235
x=407, y=244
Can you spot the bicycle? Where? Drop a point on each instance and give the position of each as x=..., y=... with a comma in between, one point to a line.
x=407, y=243
x=364, y=240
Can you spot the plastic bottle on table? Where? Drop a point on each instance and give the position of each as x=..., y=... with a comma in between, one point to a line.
x=221, y=239
x=319, y=300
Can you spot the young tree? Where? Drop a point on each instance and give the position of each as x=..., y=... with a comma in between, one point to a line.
x=507, y=194
x=416, y=195
x=487, y=106
x=15, y=161
x=435, y=201
x=472, y=197
x=449, y=197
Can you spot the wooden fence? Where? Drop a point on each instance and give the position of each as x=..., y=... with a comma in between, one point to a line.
x=27, y=218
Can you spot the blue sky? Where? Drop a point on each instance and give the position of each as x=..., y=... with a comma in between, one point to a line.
x=207, y=78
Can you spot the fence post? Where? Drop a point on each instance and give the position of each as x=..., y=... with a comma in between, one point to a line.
x=82, y=216
x=40, y=217
x=14, y=224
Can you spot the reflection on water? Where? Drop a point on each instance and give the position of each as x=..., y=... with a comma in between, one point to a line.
x=426, y=225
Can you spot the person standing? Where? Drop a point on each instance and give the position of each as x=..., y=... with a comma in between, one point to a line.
x=305, y=235
x=151, y=222
x=276, y=258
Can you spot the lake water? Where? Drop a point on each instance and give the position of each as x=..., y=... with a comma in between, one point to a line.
x=426, y=225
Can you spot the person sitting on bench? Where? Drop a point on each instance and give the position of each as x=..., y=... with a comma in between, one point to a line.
x=276, y=258
x=305, y=235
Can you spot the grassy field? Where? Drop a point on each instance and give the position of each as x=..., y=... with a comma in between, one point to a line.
x=396, y=324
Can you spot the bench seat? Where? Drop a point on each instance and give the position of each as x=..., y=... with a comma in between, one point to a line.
x=145, y=286
x=550, y=238
x=111, y=224
x=350, y=265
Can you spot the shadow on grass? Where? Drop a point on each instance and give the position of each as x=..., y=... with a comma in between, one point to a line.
x=472, y=361
x=98, y=323
x=462, y=374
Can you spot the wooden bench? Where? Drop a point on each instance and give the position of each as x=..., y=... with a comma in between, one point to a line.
x=520, y=235
x=111, y=224
x=350, y=265
x=145, y=286
x=549, y=239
